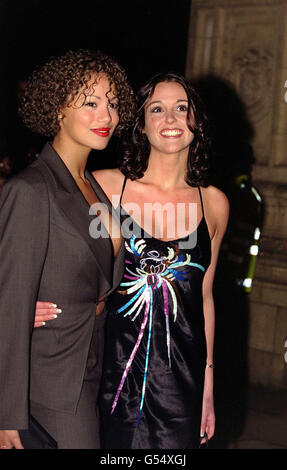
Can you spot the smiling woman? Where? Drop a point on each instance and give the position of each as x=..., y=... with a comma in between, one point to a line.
x=78, y=100
x=91, y=118
x=61, y=79
x=157, y=385
x=136, y=157
x=166, y=120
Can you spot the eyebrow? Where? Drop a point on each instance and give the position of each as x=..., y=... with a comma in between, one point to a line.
x=160, y=101
x=99, y=98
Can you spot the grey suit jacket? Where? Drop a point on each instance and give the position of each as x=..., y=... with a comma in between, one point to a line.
x=47, y=253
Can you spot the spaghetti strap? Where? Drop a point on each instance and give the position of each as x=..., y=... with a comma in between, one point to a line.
x=201, y=201
x=123, y=188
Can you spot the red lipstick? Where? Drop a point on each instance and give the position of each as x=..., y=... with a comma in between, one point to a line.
x=102, y=131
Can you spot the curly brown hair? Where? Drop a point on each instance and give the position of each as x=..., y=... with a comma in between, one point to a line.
x=55, y=84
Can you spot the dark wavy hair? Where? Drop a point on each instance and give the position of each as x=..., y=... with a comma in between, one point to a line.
x=55, y=84
x=136, y=147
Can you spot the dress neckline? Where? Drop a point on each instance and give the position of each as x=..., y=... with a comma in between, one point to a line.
x=124, y=212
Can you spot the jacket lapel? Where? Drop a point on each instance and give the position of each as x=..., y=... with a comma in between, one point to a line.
x=118, y=267
x=76, y=209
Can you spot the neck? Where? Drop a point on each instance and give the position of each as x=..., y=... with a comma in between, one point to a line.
x=166, y=170
x=74, y=158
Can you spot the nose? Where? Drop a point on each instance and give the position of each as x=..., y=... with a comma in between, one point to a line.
x=169, y=116
x=104, y=115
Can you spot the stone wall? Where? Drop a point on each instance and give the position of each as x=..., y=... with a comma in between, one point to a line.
x=245, y=43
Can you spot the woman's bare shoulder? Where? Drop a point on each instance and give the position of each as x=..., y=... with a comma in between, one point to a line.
x=216, y=206
x=216, y=198
x=110, y=179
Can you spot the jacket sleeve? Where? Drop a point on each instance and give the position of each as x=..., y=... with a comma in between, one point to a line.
x=24, y=232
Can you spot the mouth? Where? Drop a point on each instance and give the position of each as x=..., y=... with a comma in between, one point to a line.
x=171, y=133
x=102, y=131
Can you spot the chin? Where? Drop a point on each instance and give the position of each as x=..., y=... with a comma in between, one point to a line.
x=172, y=150
x=100, y=146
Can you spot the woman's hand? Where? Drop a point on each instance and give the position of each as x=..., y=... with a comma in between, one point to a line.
x=10, y=440
x=45, y=311
x=208, y=415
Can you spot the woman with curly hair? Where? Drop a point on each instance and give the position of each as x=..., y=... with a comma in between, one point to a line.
x=50, y=377
x=157, y=384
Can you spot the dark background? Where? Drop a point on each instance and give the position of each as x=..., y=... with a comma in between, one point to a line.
x=144, y=36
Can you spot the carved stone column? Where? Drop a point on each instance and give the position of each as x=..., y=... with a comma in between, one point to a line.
x=245, y=43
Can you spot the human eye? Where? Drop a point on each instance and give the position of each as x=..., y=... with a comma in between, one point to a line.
x=182, y=108
x=156, y=109
x=91, y=104
x=114, y=106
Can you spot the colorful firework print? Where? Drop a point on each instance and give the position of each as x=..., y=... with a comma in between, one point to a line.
x=155, y=271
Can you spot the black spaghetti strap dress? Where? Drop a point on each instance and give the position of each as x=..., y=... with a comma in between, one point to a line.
x=155, y=353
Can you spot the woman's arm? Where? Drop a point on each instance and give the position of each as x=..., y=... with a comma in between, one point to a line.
x=218, y=208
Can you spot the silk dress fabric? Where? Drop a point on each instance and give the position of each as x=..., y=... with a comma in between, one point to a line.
x=155, y=350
